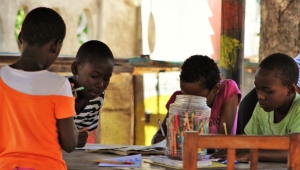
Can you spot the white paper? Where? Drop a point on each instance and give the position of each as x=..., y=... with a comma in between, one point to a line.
x=160, y=145
x=137, y=159
x=212, y=159
x=101, y=146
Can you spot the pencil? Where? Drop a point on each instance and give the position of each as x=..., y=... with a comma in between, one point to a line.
x=79, y=88
x=187, y=123
x=177, y=123
x=174, y=127
x=113, y=162
x=91, y=135
x=225, y=128
x=192, y=121
x=201, y=131
x=83, y=130
x=161, y=129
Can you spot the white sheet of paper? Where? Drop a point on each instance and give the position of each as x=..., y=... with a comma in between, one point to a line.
x=212, y=159
x=159, y=145
x=137, y=159
x=101, y=146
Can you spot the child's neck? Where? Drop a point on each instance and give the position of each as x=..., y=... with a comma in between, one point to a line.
x=280, y=113
x=80, y=103
x=31, y=60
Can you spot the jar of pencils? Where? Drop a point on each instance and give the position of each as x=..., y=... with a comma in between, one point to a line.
x=188, y=113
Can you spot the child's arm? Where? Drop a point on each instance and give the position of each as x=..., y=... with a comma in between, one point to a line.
x=158, y=137
x=228, y=114
x=273, y=155
x=67, y=134
x=243, y=155
x=263, y=155
x=82, y=139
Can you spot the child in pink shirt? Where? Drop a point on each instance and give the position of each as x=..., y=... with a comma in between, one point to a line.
x=200, y=76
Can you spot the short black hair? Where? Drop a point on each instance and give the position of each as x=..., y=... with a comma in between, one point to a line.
x=200, y=68
x=91, y=50
x=285, y=67
x=41, y=25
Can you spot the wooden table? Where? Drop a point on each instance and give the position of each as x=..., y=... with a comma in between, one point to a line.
x=81, y=160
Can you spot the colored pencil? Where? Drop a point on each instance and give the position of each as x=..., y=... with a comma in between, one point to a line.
x=174, y=135
x=201, y=131
x=187, y=123
x=78, y=89
x=161, y=129
x=83, y=130
x=225, y=128
x=192, y=121
x=91, y=135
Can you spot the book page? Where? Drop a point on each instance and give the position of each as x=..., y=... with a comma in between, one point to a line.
x=101, y=146
x=137, y=159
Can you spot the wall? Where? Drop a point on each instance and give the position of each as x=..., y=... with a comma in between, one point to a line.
x=113, y=22
x=117, y=114
x=152, y=92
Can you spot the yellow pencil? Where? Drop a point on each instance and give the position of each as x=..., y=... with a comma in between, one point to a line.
x=225, y=128
x=187, y=123
x=192, y=121
x=83, y=130
x=91, y=135
x=201, y=131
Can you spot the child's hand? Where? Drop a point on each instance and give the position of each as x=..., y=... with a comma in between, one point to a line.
x=241, y=155
x=82, y=137
x=73, y=92
x=219, y=153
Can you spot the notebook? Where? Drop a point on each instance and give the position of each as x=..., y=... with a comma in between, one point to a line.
x=176, y=164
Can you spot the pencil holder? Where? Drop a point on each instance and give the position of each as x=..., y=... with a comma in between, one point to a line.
x=188, y=113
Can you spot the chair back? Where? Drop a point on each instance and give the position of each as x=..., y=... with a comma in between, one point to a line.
x=193, y=141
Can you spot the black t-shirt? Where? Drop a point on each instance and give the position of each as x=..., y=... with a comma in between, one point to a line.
x=245, y=110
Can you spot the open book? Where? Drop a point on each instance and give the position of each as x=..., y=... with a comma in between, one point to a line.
x=176, y=163
x=156, y=149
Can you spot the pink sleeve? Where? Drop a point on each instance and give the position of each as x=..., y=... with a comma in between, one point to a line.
x=230, y=89
x=172, y=99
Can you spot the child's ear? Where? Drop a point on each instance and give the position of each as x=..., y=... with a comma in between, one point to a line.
x=291, y=89
x=216, y=89
x=55, y=46
x=74, y=68
x=19, y=38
